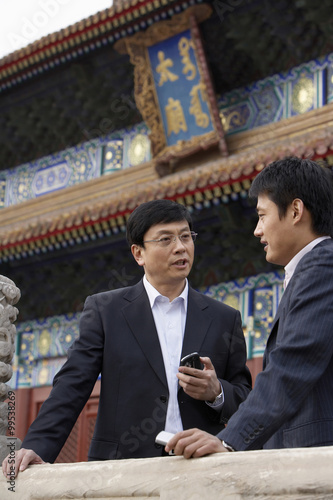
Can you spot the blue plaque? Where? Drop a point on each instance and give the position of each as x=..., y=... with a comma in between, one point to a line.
x=180, y=90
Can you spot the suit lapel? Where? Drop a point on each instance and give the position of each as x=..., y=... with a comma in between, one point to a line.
x=197, y=323
x=138, y=314
x=139, y=317
x=274, y=328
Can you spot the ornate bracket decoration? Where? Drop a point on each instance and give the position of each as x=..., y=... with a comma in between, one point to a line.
x=173, y=88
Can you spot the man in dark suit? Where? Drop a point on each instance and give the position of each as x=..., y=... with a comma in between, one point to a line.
x=291, y=404
x=135, y=337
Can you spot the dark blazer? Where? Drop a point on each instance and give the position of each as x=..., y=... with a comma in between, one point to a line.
x=118, y=339
x=291, y=404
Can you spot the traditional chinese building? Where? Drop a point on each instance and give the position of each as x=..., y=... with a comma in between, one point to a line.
x=146, y=100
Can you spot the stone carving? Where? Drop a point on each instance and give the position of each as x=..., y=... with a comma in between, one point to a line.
x=9, y=295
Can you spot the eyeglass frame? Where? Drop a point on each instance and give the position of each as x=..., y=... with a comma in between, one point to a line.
x=175, y=236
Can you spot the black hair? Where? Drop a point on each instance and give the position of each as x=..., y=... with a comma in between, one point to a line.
x=151, y=213
x=284, y=180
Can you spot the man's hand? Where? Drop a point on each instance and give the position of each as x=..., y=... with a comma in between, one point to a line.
x=200, y=384
x=22, y=459
x=194, y=443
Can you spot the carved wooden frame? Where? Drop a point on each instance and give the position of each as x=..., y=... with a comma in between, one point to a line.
x=144, y=87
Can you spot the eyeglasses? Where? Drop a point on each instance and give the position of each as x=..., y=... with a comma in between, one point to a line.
x=165, y=241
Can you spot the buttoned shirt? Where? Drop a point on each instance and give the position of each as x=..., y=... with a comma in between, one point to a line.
x=170, y=319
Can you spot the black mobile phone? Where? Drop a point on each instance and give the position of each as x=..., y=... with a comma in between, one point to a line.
x=192, y=360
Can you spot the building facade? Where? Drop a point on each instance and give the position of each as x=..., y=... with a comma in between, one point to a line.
x=151, y=99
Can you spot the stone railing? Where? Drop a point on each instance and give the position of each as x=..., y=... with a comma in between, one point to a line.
x=284, y=474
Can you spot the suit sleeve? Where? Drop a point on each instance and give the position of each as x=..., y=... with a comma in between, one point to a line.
x=295, y=364
x=72, y=387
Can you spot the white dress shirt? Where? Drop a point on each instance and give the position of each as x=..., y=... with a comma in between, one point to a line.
x=170, y=319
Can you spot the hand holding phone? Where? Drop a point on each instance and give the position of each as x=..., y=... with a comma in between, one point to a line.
x=192, y=360
x=201, y=383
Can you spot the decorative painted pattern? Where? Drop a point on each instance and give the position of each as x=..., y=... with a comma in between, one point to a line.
x=41, y=348
x=329, y=83
x=111, y=156
x=257, y=299
x=2, y=191
x=73, y=166
x=302, y=89
x=136, y=147
x=50, y=179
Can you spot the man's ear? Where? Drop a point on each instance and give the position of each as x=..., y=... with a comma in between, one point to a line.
x=297, y=208
x=137, y=253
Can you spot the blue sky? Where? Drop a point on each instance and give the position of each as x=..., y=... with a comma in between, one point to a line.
x=24, y=21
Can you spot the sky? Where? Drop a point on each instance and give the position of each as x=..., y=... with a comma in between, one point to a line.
x=24, y=21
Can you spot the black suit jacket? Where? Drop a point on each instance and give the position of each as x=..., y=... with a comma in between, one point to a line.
x=118, y=339
x=291, y=404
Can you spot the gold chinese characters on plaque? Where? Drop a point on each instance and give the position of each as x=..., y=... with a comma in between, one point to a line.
x=173, y=90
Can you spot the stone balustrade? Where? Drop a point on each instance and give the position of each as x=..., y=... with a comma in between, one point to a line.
x=289, y=474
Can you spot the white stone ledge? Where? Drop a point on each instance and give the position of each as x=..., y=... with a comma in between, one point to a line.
x=295, y=474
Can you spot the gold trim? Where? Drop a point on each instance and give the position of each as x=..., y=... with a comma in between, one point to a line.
x=303, y=93
x=185, y=147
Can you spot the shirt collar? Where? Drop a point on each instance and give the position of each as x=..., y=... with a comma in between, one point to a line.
x=153, y=293
x=291, y=266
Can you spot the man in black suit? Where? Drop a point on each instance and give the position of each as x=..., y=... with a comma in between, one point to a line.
x=291, y=404
x=135, y=337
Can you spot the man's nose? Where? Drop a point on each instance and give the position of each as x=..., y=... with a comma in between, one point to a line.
x=257, y=231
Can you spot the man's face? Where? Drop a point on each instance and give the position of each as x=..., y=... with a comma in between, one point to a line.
x=276, y=234
x=165, y=265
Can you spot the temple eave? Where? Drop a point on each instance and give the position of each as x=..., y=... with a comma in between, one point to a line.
x=100, y=206
x=105, y=27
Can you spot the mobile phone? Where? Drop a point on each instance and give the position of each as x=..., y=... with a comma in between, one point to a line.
x=192, y=360
x=163, y=437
